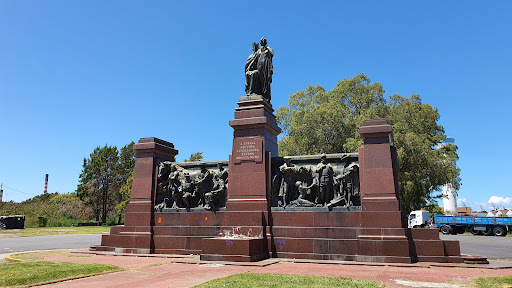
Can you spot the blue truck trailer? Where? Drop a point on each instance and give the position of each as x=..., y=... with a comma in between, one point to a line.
x=498, y=226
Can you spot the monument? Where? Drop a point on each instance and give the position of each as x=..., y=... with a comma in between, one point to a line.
x=327, y=207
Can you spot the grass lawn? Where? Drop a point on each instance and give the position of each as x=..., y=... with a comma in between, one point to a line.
x=41, y=231
x=283, y=280
x=25, y=273
x=493, y=282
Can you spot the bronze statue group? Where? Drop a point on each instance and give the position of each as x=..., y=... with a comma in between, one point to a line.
x=259, y=70
x=316, y=186
x=177, y=189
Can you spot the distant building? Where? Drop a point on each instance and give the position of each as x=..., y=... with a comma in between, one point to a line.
x=464, y=211
x=449, y=192
x=500, y=213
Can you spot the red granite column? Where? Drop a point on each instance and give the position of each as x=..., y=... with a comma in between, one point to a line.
x=379, y=175
x=254, y=143
x=247, y=208
x=137, y=233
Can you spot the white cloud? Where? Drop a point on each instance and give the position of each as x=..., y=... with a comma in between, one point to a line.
x=461, y=202
x=479, y=206
x=500, y=202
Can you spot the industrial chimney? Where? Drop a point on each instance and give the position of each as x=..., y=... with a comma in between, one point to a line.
x=45, y=184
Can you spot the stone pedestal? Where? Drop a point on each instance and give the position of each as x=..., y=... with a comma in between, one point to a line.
x=247, y=208
x=254, y=143
x=378, y=169
x=380, y=197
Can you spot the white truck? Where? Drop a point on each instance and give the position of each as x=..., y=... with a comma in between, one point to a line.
x=418, y=219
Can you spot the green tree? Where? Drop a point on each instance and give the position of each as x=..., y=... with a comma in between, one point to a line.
x=319, y=121
x=434, y=208
x=88, y=192
x=423, y=169
x=99, y=180
x=195, y=157
x=124, y=192
x=126, y=168
x=105, y=181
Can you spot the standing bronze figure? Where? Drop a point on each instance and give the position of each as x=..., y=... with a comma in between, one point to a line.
x=204, y=183
x=288, y=174
x=325, y=182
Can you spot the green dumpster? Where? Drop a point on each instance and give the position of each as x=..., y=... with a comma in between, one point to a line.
x=43, y=221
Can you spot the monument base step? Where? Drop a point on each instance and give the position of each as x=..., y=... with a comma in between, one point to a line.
x=343, y=257
x=234, y=258
x=178, y=251
x=245, y=249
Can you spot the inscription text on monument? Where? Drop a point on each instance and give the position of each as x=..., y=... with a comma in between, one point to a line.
x=248, y=149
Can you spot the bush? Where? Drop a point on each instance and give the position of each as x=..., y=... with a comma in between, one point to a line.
x=61, y=210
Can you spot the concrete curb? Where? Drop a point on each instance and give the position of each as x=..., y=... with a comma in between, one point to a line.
x=9, y=258
x=71, y=278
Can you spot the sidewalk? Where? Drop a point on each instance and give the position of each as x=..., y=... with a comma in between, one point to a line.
x=188, y=270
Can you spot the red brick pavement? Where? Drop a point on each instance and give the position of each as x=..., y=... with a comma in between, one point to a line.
x=167, y=272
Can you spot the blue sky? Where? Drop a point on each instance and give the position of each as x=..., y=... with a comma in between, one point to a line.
x=75, y=75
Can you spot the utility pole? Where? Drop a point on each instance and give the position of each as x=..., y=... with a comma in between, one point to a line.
x=45, y=184
x=1, y=191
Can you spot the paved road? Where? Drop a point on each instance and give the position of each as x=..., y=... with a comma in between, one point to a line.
x=492, y=247
x=69, y=241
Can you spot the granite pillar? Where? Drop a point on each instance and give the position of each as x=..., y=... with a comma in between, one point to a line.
x=254, y=143
x=380, y=198
x=248, y=204
x=378, y=170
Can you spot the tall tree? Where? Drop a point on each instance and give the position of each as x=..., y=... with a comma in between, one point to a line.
x=99, y=179
x=423, y=167
x=88, y=191
x=124, y=192
x=319, y=121
x=126, y=168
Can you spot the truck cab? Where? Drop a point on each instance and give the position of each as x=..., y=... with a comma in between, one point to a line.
x=418, y=219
